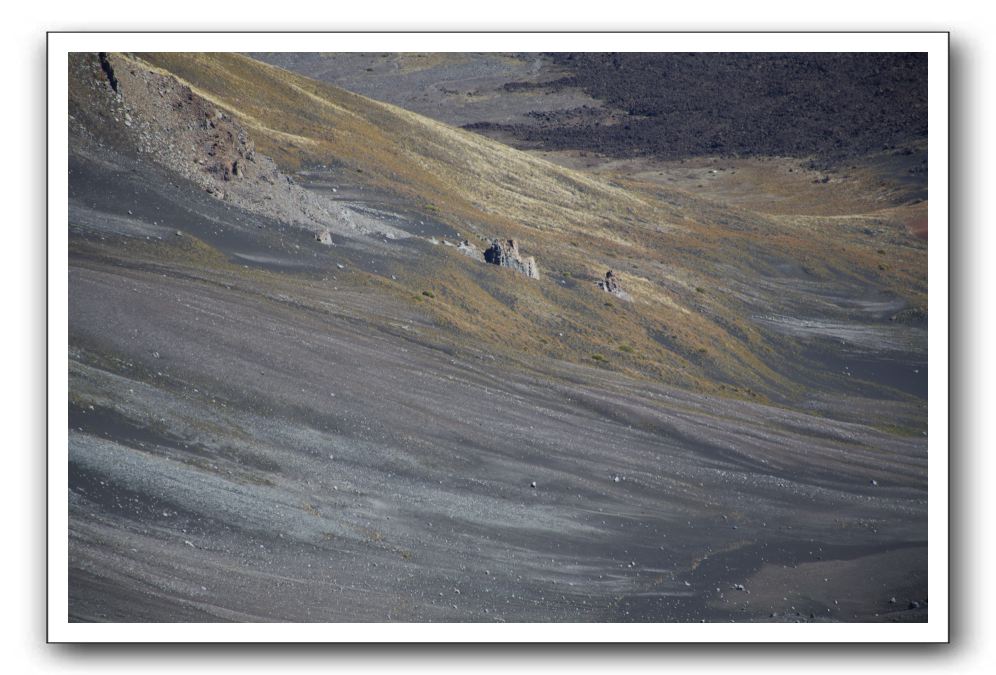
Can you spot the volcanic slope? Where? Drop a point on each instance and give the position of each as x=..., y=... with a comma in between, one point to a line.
x=375, y=426
x=691, y=267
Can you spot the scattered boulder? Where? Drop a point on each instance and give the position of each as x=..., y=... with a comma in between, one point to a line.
x=506, y=254
x=324, y=237
x=610, y=284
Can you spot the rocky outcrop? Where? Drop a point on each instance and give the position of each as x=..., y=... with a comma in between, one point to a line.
x=116, y=100
x=506, y=254
x=610, y=284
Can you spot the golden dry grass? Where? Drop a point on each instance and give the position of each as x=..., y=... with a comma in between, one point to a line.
x=665, y=243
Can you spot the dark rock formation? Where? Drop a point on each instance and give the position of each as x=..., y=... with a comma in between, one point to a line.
x=611, y=285
x=506, y=254
x=108, y=69
x=500, y=253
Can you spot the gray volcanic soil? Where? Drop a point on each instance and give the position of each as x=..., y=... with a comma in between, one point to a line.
x=459, y=89
x=277, y=440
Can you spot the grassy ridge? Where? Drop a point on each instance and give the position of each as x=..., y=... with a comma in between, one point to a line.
x=679, y=256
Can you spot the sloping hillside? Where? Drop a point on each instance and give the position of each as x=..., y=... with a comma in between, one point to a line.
x=689, y=266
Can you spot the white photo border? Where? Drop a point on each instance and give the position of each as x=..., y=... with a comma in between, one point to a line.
x=935, y=44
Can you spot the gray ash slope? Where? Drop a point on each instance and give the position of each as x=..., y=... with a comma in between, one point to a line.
x=258, y=432
x=235, y=456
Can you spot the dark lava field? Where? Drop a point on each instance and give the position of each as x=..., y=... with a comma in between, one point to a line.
x=833, y=107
